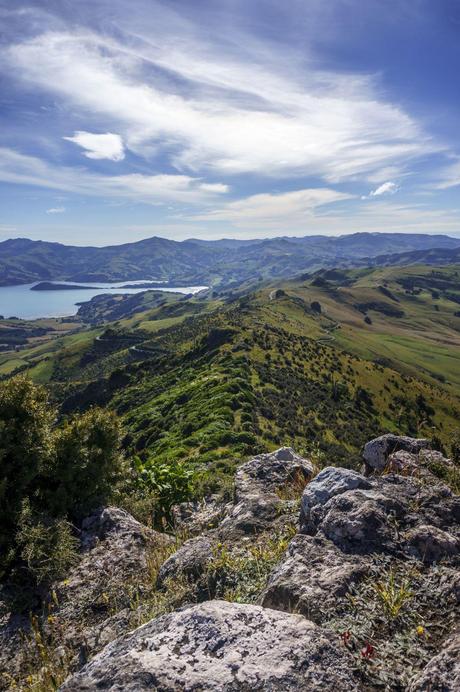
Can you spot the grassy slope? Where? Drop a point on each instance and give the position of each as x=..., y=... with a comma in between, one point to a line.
x=224, y=381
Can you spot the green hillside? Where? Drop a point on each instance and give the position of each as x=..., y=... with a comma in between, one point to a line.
x=321, y=363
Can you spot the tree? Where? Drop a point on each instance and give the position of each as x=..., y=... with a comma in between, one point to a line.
x=86, y=464
x=25, y=449
x=49, y=474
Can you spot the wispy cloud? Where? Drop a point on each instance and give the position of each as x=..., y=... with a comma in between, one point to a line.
x=106, y=146
x=205, y=109
x=289, y=208
x=56, y=210
x=448, y=176
x=151, y=189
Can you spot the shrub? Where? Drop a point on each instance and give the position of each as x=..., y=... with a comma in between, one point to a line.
x=170, y=482
x=47, y=546
x=25, y=449
x=49, y=475
x=86, y=465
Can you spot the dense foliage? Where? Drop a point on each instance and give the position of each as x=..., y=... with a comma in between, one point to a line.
x=49, y=475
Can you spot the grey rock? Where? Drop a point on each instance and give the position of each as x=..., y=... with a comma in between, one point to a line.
x=442, y=673
x=377, y=451
x=190, y=560
x=419, y=465
x=311, y=577
x=257, y=484
x=430, y=544
x=221, y=647
x=329, y=482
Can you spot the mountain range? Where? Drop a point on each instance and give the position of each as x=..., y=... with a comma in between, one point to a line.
x=216, y=262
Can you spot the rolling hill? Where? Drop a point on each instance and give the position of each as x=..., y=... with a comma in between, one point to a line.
x=222, y=262
x=320, y=362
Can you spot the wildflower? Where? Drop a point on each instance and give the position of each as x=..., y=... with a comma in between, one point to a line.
x=346, y=636
x=367, y=651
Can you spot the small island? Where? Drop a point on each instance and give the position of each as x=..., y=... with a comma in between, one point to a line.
x=49, y=286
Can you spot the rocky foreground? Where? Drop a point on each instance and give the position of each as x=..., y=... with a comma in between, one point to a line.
x=356, y=588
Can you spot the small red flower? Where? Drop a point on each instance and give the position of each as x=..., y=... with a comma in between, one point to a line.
x=346, y=637
x=367, y=651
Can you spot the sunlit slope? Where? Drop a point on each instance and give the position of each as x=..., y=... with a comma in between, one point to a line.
x=408, y=318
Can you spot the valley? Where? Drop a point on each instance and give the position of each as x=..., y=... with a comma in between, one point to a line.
x=323, y=360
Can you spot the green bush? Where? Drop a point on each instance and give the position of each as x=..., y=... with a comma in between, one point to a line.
x=49, y=475
x=86, y=464
x=25, y=450
x=171, y=482
x=47, y=546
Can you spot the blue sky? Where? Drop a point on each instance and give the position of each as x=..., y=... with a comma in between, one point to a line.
x=226, y=118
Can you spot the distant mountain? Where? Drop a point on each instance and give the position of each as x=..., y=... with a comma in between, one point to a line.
x=220, y=262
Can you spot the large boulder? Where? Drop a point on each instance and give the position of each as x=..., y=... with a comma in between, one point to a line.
x=347, y=523
x=377, y=451
x=222, y=647
x=116, y=550
x=389, y=514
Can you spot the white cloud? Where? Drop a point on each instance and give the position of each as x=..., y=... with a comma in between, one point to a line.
x=246, y=112
x=106, y=146
x=152, y=189
x=387, y=188
x=56, y=210
x=268, y=209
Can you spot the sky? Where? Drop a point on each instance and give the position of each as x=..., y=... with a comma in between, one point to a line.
x=228, y=118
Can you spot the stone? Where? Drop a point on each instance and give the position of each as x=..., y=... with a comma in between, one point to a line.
x=329, y=482
x=377, y=451
x=221, y=647
x=442, y=673
x=190, y=560
x=257, y=484
x=430, y=544
x=311, y=577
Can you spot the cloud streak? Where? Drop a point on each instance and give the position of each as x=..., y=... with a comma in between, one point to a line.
x=229, y=115
x=150, y=189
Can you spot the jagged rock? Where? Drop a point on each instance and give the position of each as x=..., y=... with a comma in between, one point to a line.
x=196, y=517
x=256, y=509
x=442, y=674
x=377, y=451
x=256, y=485
x=190, y=560
x=431, y=544
x=115, y=548
x=329, y=482
x=223, y=647
x=312, y=576
x=372, y=514
x=419, y=465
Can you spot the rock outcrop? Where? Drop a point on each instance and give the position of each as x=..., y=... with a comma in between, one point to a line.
x=91, y=606
x=256, y=484
x=346, y=519
x=377, y=451
x=258, y=507
x=223, y=647
x=385, y=542
x=442, y=674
